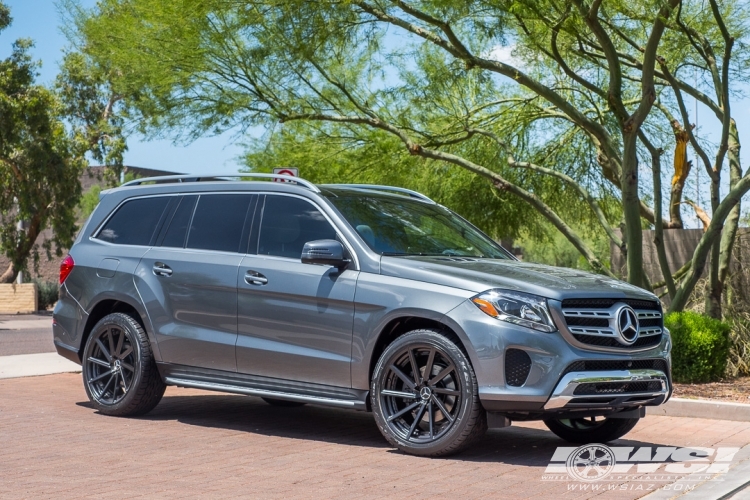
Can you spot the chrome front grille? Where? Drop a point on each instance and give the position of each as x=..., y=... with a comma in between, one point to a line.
x=594, y=322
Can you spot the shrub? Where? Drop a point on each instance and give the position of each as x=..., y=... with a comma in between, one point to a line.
x=47, y=293
x=700, y=347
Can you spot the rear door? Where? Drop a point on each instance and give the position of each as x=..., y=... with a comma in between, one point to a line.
x=295, y=320
x=189, y=279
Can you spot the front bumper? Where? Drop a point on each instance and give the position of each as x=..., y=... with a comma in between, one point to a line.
x=610, y=382
x=609, y=389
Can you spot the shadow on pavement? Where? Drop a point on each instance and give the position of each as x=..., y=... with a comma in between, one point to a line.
x=514, y=445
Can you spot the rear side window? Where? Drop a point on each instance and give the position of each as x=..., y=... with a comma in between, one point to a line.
x=218, y=222
x=289, y=223
x=134, y=222
x=177, y=231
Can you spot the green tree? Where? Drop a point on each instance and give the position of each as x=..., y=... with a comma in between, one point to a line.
x=570, y=112
x=38, y=170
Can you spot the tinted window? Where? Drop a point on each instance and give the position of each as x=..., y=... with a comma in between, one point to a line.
x=288, y=223
x=218, y=222
x=392, y=225
x=177, y=231
x=134, y=222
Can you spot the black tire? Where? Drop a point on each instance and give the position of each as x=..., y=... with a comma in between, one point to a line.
x=591, y=430
x=431, y=416
x=283, y=403
x=119, y=372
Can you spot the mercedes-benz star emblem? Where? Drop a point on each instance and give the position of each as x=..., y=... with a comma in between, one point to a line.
x=627, y=325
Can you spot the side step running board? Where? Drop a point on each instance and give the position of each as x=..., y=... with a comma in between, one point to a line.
x=263, y=393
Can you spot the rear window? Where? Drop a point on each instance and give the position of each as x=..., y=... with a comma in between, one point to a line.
x=134, y=222
x=218, y=222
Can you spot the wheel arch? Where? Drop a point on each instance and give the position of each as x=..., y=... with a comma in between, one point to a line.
x=107, y=305
x=400, y=325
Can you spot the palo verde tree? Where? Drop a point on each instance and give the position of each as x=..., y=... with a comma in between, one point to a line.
x=593, y=97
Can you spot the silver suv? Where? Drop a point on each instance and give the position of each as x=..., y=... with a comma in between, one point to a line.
x=366, y=297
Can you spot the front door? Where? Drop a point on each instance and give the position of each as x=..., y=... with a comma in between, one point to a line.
x=295, y=319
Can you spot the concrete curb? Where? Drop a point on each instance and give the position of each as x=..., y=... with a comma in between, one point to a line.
x=31, y=365
x=700, y=408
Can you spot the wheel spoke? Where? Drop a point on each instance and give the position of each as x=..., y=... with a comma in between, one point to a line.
x=100, y=376
x=447, y=392
x=127, y=367
x=443, y=373
x=106, y=386
x=118, y=349
x=408, y=408
x=127, y=351
x=114, y=388
x=111, y=342
x=442, y=408
x=104, y=350
x=99, y=362
x=417, y=418
x=414, y=368
x=403, y=377
x=428, y=366
x=395, y=394
x=432, y=419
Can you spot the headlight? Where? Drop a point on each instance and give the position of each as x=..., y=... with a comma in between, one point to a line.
x=516, y=307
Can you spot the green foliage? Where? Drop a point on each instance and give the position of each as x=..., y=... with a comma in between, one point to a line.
x=38, y=165
x=47, y=293
x=429, y=76
x=700, y=347
x=94, y=111
x=89, y=201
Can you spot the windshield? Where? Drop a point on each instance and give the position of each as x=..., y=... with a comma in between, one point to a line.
x=394, y=226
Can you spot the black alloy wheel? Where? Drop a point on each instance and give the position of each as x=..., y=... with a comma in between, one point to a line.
x=424, y=395
x=119, y=372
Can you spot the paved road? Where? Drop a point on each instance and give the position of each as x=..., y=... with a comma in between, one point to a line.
x=210, y=445
x=25, y=334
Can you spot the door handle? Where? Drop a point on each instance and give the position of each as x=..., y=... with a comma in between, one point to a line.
x=161, y=269
x=255, y=278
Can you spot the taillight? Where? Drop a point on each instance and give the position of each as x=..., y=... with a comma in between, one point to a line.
x=65, y=267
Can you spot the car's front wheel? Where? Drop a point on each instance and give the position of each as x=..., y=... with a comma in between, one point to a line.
x=119, y=372
x=424, y=395
x=591, y=429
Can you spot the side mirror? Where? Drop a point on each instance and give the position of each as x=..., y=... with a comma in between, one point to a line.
x=326, y=252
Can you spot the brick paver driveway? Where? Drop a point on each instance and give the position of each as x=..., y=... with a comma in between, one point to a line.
x=210, y=445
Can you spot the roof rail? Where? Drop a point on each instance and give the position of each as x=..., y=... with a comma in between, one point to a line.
x=219, y=177
x=376, y=187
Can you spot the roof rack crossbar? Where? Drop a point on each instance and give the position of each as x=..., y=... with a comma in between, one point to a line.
x=196, y=178
x=376, y=187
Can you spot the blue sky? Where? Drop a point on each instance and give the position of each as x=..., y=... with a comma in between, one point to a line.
x=40, y=21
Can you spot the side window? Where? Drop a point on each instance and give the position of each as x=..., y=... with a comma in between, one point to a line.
x=288, y=223
x=177, y=230
x=134, y=222
x=218, y=222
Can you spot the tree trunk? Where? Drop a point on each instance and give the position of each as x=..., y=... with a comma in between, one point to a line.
x=730, y=227
x=712, y=305
x=9, y=275
x=631, y=211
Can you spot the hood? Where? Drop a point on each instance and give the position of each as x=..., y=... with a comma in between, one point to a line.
x=479, y=275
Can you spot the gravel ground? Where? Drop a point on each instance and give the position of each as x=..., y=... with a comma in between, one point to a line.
x=735, y=390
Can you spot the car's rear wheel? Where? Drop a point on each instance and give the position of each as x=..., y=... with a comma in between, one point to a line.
x=591, y=429
x=424, y=395
x=119, y=372
x=283, y=402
